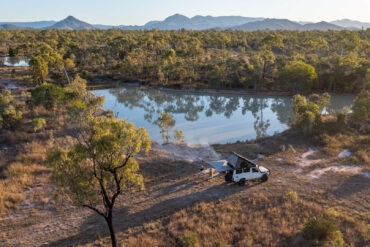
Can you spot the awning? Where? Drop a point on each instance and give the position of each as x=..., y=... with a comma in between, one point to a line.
x=220, y=166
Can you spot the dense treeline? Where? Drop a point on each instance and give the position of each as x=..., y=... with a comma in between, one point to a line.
x=262, y=60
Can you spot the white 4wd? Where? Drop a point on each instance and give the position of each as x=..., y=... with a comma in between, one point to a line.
x=239, y=169
x=242, y=175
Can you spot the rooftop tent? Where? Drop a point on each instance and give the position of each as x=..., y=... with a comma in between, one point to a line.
x=237, y=161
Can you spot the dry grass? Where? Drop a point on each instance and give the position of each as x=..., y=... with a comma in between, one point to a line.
x=21, y=164
x=19, y=176
x=34, y=152
x=252, y=221
x=23, y=173
x=358, y=144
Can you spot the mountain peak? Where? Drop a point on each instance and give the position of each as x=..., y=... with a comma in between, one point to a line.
x=70, y=17
x=270, y=24
x=72, y=23
x=322, y=25
x=177, y=17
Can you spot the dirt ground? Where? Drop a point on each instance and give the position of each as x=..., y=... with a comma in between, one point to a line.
x=175, y=182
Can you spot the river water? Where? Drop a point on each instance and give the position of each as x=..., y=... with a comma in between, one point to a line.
x=14, y=61
x=206, y=118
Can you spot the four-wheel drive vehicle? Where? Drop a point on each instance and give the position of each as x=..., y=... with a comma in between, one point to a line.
x=239, y=169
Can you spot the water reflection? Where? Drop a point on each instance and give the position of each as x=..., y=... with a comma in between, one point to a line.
x=205, y=117
x=14, y=61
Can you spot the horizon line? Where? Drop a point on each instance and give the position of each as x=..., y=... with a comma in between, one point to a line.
x=344, y=18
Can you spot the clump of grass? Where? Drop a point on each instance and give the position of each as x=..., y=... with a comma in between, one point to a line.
x=363, y=155
x=282, y=148
x=38, y=124
x=247, y=241
x=333, y=213
x=190, y=239
x=292, y=196
x=9, y=199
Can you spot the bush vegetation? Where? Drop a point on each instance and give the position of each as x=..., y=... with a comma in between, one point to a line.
x=361, y=106
x=10, y=112
x=307, y=112
x=262, y=60
x=320, y=231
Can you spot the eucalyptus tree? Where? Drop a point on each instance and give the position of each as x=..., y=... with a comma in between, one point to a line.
x=307, y=112
x=299, y=75
x=101, y=166
x=39, y=69
x=165, y=122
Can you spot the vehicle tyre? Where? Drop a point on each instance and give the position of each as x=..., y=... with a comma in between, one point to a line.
x=264, y=178
x=228, y=177
x=241, y=182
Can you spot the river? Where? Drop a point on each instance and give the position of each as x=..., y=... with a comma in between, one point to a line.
x=14, y=61
x=206, y=118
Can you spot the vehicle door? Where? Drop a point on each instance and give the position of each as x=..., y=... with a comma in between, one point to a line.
x=238, y=174
x=255, y=173
x=245, y=173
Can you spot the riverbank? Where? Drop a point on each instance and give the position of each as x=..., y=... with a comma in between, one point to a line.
x=105, y=84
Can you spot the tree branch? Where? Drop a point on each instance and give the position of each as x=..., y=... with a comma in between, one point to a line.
x=124, y=163
x=94, y=209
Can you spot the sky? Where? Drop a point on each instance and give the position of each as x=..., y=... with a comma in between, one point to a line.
x=138, y=12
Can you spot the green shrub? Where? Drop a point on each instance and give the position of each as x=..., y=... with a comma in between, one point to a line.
x=307, y=112
x=48, y=95
x=342, y=119
x=292, y=196
x=10, y=116
x=189, y=240
x=165, y=122
x=247, y=241
x=38, y=124
x=361, y=106
x=179, y=136
x=320, y=231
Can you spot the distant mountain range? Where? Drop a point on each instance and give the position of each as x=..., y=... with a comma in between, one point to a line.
x=10, y=27
x=34, y=24
x=199, y=22
x=351, y=24
x=284, y=24
x=177, y=21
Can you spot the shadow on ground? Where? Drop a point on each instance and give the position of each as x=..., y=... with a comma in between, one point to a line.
x=95, y=227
